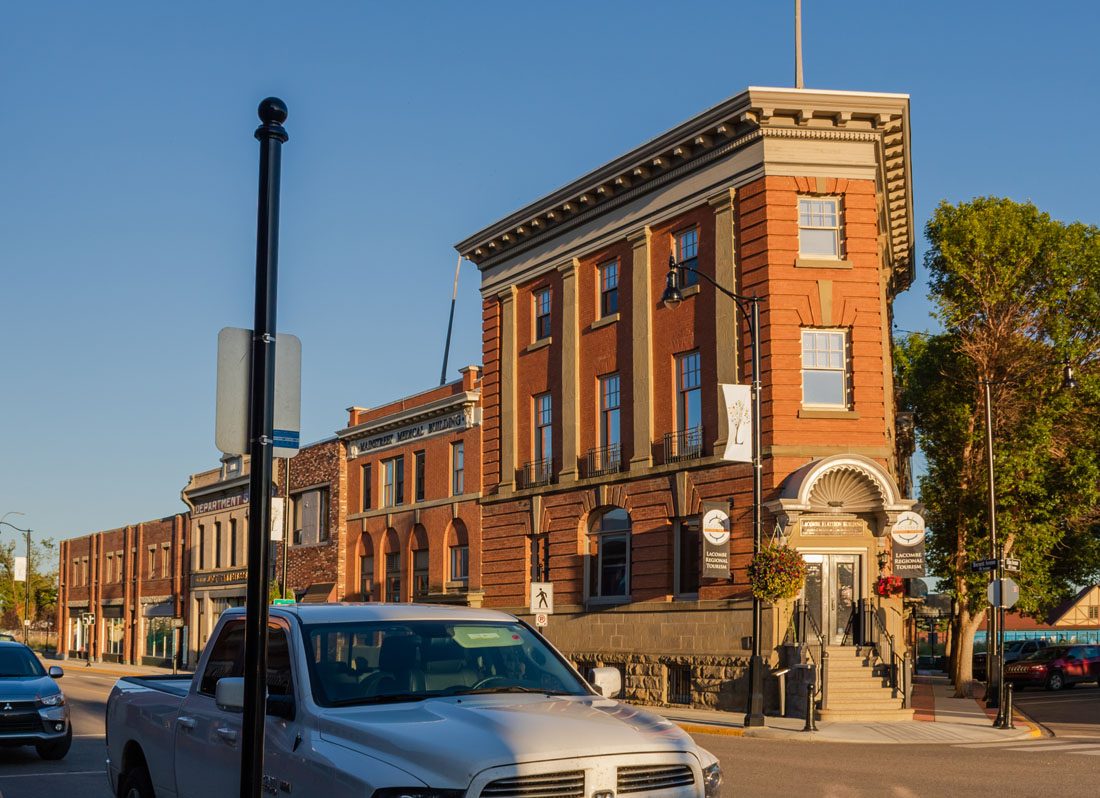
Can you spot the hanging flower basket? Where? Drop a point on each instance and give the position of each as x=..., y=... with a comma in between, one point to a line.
x=776, y=573
x=889, y=586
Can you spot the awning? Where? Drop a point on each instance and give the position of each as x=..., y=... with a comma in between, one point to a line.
x=318, y=593
x=165, y=609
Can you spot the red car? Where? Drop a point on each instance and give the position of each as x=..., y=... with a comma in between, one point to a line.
x=1056, y=667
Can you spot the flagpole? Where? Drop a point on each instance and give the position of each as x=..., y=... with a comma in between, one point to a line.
x=450, y=325
x=798, y=44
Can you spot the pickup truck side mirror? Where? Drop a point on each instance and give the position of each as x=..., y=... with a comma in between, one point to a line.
x=607, y=681
x=55, y=672
x=229, y=694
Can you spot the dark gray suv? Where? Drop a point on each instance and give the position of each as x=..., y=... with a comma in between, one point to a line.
x=32, y=707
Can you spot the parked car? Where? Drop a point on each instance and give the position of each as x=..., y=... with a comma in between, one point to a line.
x=6, y=636
x=1056, y=667
x=1016, y=650
x=398, y=700
x=32, y=707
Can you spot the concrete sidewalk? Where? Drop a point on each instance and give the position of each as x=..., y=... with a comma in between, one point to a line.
x=111, y=668
x=941, y=719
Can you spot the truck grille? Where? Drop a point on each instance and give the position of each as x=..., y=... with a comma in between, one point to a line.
x=643, y=778
x=567, y=784
x=21, y=723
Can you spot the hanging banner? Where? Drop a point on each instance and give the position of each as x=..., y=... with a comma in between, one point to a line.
x=20, y=570
x=737, y=400
x=907, y=538
x=716, y=544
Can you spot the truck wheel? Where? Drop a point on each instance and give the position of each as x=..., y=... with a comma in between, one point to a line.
x=137, y=784
x=1055, y=681
x=56, y=749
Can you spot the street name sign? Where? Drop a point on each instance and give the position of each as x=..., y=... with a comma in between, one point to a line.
x=1005, y=589
x=1012, y=564
x=542, y=598
x=983, y=566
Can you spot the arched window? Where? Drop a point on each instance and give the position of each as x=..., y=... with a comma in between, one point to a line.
x=418, y=543
x=393, y=567
x=458, y=555
x=366, y=568
x=609, y=555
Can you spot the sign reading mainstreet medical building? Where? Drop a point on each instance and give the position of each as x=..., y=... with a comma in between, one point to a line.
x=716, y=544
x=411, y=432
x=907, y=538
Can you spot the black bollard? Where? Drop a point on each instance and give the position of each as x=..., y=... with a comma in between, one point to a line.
x=810, y=726
x=1007, y=722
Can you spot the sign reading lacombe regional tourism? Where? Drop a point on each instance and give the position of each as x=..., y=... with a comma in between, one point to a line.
x=908, y=544
x=716, y=544
x=738, y=402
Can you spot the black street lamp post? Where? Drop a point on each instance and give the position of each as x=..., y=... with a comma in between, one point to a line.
x=750, y=306
x=995, y=647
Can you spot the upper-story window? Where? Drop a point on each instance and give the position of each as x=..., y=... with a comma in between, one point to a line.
x=824, y=368
x=687, y=254
x=542, y=314
x=609, y=288
x=202, y=547
x=819, y=227
x=152, y=562
x=233, y=542
x=544, y=437
x=310, y=516
x=609, y=410
x=365, y=486
x=393, y=482
x=689, y=395
x=418, y=462
x=217, y=544
x=458, y=455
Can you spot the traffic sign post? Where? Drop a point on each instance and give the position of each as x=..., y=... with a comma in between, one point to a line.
x=1003, y=592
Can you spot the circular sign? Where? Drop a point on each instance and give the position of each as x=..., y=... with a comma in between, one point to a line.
x=541, y=619
x=908, y=529
x=716, y=527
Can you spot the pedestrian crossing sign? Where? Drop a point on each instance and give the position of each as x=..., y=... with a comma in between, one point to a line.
x=542, y=598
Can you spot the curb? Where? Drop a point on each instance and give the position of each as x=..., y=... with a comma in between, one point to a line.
x=695, y=728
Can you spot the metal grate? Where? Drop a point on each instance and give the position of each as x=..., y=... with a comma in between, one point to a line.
x=679, y=684
x=23, y=723
x=646, y=778
x=684, y=445
x=538, y=472
x=565, y=784
x=605, y=460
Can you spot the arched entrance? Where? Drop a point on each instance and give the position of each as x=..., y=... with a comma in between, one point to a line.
x=837, y=512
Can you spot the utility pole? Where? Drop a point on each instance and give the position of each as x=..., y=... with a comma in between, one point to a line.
x=27, y=595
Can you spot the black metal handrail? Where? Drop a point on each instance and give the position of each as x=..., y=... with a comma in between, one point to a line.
x=538, y=472
x=684, y=445
x=822, y=660
x=898, y=665
x=605, y=460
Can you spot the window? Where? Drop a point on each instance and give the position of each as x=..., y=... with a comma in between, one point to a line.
x=217, y=544
x=152, y=562
x=818, y=227
x=457, y=467
x=110, y=568
x=393, y=482
x=544, y=439
x=84, y=571
x=542, y=314
x=687, y=254
x=679, y=684
x=460, y=563
x=1094, y=612
x=166, y=560
x=310, y=510
x=365, y=486
x=393, y=577
x=233, y=542
x=418, y=462
x=609, y=288
x=824, y=377
x=366, y=576
x=420, y=573
x=609, y=556
x=688, y=557
x=76, y=572
x=202, y=547
x=540, y=558
x=160, y=638
x=689, y=397
x=116, y=633
x=609, y=410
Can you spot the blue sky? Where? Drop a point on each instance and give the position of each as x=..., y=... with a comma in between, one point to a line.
x=128, y=184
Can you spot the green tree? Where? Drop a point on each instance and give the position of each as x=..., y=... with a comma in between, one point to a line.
x=42, y=569
x=1014, y=290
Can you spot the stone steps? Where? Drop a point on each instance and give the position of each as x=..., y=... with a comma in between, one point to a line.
x=871, y=715
x=859, y=688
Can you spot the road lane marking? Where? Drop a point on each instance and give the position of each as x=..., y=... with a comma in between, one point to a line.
x=1052, y=747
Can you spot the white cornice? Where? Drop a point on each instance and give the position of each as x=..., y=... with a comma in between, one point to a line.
x=440, y=407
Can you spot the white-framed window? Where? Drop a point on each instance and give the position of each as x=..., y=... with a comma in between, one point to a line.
x=687, y=254
x=393, y=482
x=609, y=288
x=458, y=455
x=608, y=560
x=825, y=368
x=689, y=552
x=689, y=394
x=544, y=435
x=542, y=314
x=110, y=568
x=310, y=516
x=152, y=562
x=819, y=227
x=609, y=410
x=460, y=563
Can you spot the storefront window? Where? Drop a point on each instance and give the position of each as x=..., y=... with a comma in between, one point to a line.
x=160, y=638
x=116, y=631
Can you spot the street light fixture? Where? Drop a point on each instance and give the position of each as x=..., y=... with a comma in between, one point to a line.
x=750, y=307
x=997, y=626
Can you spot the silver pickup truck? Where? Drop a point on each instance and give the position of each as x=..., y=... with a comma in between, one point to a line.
x=398, y=701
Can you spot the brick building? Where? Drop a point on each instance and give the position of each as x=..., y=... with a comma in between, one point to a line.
x=414, y=479
x=123, y=593
x=218, y=550
x=603, y=423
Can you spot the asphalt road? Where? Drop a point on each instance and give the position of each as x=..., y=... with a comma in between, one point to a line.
x=1067, y=713
x=753, y=767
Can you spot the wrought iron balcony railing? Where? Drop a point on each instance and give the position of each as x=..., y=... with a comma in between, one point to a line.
x=684, y=445
x=538, y=472
x=604, y=460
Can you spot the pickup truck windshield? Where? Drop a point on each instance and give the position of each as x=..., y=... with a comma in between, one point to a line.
x=391, y=661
